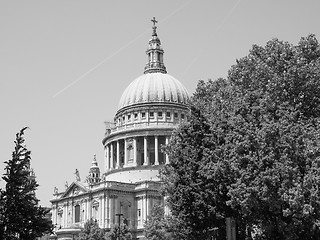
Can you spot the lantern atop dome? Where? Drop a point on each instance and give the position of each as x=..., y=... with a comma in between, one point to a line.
x=155, y=53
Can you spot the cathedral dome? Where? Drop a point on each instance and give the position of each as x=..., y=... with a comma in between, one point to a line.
x=154, y=87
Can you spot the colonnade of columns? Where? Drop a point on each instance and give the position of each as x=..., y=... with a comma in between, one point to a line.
x=135, y=151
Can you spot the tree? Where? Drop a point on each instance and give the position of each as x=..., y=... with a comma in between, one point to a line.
x=196, y=180
x=2, y=217
x=163, y=227
x=21, y=217
x=91, y=231
x=118, y=232
x=251, y=149
x=155, y=225
x=275, y=137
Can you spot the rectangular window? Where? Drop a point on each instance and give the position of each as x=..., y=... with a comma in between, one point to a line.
x=168, y=115
x=136, y=116
x=151, y=114
x=160, y=114
x=143, y=115
x=175, y=115
x=129, y=117
x=77, y=214
x=182, y=116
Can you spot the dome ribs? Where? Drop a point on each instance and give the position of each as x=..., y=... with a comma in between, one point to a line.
x=154, y=87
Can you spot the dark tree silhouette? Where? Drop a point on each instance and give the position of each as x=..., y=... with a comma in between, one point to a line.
x=20, y=215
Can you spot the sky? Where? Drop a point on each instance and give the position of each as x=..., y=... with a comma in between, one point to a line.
x=65, y=64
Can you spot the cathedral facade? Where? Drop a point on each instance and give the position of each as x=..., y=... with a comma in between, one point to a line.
x=127, y=187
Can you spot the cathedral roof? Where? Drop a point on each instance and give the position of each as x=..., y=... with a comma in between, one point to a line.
x=152, y=88
x=155, y=85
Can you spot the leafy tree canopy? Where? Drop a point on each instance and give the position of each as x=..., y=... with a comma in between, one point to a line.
x=275, y=139
x=197, y=178
x=250, y=149
x=91, y=231
x=162, y=227
x=119, y=232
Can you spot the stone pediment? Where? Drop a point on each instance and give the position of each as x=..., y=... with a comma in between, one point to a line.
x=74, y=189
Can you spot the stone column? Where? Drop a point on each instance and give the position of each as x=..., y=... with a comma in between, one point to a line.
x=156, y=151
x=85, y=215
x=72, y=213
x=138, y=219
x=167, y=157
x=150, y=203
x=111, y=157
x=130, y=216
x=90, y=208
x=107, y=165
x=117, y=207
x=118, y=154
x=67, y=215
x=134, y=151
x=113, y=204
x=85, y=208
x=102, y=212
x=125, y=152
x=109, y=212
x=64, y=215
x=54, y=216
x=145, y=208
x=145, y=151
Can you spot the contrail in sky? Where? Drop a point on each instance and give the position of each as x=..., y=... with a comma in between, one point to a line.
x=216, y=30
x=99, y=64
x=118, y=51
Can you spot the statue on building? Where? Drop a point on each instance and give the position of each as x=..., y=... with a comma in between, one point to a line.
x=66, y=185
x=55, y=190
x=87, y=180
x=77, y=175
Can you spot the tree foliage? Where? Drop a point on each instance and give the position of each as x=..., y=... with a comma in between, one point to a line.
x=155, y=225
x=276, y=139
x=251, y=148
x=197, y=178
x=91, y=231
x=118, y=232
x=20, y=215
x=162, y=227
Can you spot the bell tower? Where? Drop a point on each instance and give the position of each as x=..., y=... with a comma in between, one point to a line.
x=94, y=172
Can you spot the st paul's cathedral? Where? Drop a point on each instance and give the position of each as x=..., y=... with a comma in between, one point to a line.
x=127, y=186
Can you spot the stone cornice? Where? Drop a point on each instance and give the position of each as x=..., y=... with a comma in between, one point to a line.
x=152, y=105
x=140, y=132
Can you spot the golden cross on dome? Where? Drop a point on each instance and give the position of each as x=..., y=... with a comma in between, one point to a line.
x=154, y=21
